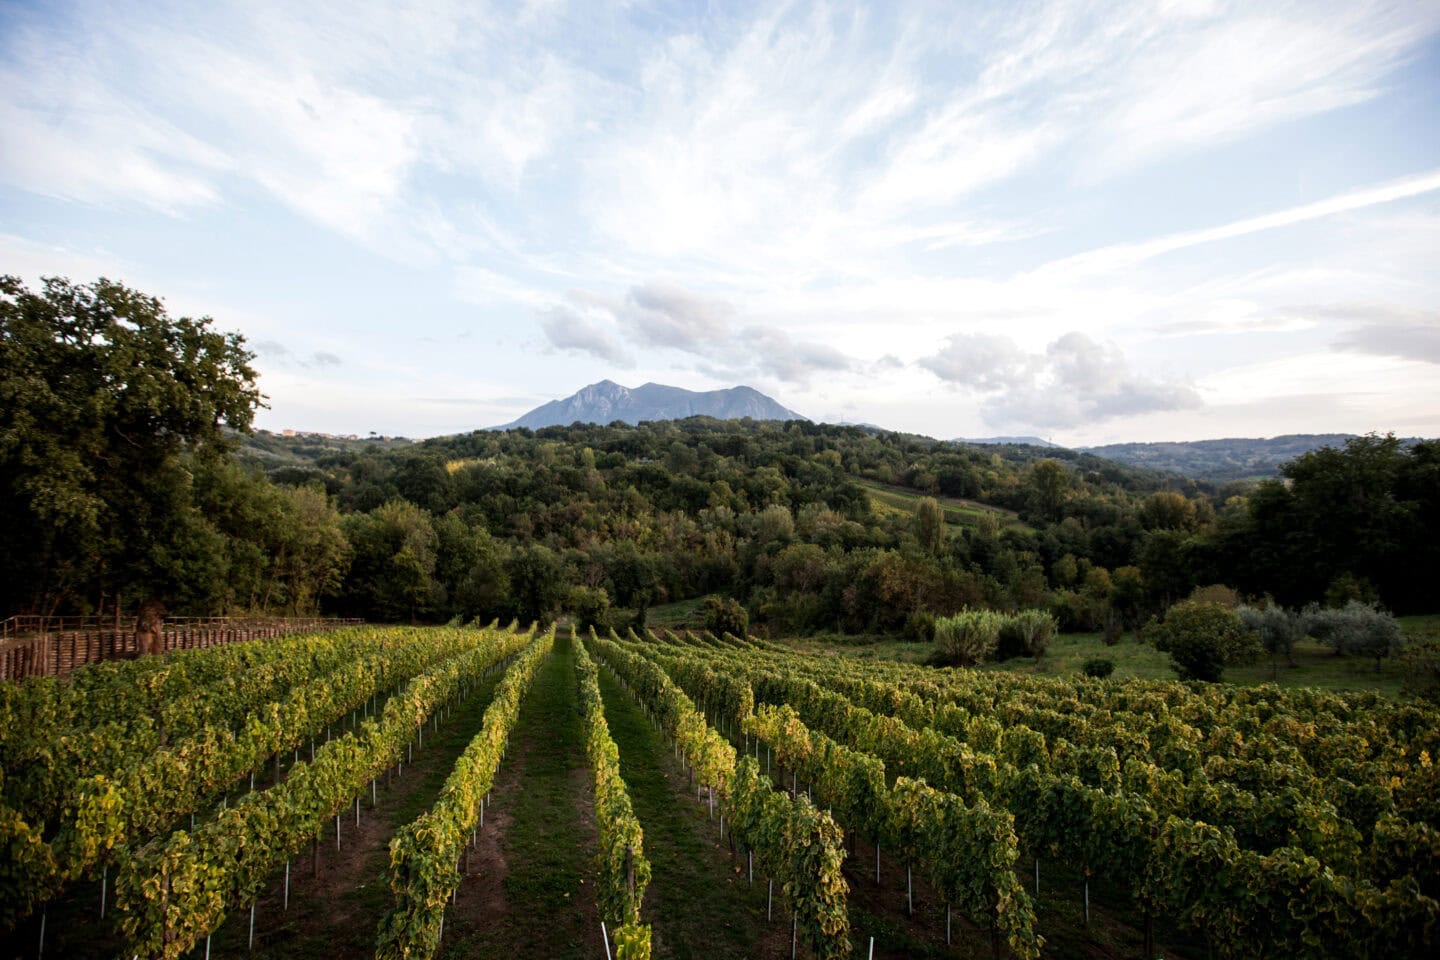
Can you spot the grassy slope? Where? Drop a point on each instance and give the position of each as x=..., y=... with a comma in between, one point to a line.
x=1316, y=666
x=958, y=513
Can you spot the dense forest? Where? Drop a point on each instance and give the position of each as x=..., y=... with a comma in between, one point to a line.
x=128, y=480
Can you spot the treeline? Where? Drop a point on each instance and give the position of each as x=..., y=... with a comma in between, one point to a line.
x=521, y=524
x=123, y=482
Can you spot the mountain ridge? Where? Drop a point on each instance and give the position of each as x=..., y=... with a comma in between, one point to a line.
x=1222, y=459
x=607, y=401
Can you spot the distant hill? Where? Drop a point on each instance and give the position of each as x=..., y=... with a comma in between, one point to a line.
x=607, y=401
x=1028, y=441
x=1235, y=458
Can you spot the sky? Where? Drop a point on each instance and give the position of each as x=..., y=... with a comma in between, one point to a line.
x=1087, y=222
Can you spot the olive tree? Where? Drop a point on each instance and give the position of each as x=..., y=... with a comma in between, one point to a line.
x=1277, y=628
x=1356, y=628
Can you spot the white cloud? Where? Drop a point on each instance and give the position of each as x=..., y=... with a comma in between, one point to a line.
x=1406, y=334
x=1076, y=381
x=1113, y=258
x=783, y=196
x=568, y=326
x=69, y=134
x=665, y=315
x=981, y=360
x=1213, y=77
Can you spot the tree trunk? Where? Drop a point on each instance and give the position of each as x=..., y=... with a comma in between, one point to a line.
x=149, y=627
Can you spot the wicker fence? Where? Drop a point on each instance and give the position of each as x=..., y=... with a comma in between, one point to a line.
x=44, y=647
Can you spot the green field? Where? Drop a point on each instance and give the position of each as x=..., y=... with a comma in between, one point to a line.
x=1315, y=665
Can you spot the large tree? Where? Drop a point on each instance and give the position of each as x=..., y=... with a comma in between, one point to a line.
x=105, y=399
x=1369, y=511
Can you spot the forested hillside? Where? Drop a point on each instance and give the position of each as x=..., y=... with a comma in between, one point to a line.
x=794, y=520
x=126, y=483
x=1222, y=461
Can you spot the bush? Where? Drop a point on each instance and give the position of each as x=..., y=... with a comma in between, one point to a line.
x=591, y=608
x=1077, y=612
x=1348, y=587
x=1218, y=594
x=725, y=615
x=1356, y=628
x=1099, y=667
x=969, y=637
x=1203, y=639
x=920, y=626
x=1025, y=634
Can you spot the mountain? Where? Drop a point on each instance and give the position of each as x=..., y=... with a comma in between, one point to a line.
x=607, y=401
x=1030, y=441
x=1233, y=458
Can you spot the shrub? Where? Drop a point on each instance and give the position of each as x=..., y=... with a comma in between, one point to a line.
x=1203, y=639
x=969, y=637
x=1356, y=628
x=1218, y=594
x=725, y=615
x=1025, y=634
x=1099, y=667
x=1077, y=612
x=1348, y=587
x=920, y=626
x=591, y=608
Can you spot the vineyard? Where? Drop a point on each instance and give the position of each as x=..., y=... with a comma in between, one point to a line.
x=417, y=792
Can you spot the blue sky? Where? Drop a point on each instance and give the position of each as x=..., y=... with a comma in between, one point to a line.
x=1091, y=222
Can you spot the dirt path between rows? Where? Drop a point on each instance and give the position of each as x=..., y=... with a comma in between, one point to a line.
x=699, y=902
x=530, y=891
x=338, y=897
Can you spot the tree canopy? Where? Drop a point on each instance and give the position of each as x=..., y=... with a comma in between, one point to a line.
x=104, y=398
